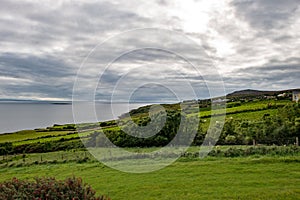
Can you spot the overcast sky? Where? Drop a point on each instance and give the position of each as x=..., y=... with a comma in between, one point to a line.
x=252, y=43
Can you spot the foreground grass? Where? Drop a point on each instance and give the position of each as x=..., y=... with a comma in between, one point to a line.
x=211, y=178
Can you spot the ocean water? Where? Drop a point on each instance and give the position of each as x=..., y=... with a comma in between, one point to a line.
x=23, y=116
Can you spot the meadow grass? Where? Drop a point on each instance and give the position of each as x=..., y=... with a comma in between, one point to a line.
x=54, y=138
x=28, y=134
x=250, y=106
x=73, y=155
x=211, y=178
x=252, y=116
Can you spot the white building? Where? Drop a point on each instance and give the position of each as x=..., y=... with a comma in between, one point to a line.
x=296, y=95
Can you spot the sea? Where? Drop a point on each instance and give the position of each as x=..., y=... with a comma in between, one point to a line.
x=16, y=116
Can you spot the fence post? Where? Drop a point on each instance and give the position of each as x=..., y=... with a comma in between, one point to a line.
x=24, y=156
x=297, y=141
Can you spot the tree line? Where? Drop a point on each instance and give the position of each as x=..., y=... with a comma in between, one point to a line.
x=280, y=129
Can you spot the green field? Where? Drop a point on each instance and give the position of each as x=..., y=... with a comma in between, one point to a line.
x=228, y=173
x=211, y=178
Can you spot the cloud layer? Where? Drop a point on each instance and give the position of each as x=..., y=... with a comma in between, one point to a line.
x=253, y=44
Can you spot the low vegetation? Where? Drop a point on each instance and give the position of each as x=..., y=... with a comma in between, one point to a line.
x=49, y=189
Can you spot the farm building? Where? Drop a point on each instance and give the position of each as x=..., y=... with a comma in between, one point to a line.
x=296, y=95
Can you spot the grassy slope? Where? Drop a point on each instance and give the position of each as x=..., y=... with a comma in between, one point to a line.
x=240, y=178
x=28, y=134
x=250, y=106
x=23, y=136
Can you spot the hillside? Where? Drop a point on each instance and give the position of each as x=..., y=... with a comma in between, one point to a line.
x=245, y=122
x=248, y=117
x=257, y=93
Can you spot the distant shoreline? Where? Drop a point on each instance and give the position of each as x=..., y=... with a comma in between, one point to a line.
x=17, y=115
x=70, y=102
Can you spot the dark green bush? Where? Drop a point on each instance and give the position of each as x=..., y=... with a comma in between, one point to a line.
x=233, y=152
x=250, y=151
x=48, y=189
x=82, y=160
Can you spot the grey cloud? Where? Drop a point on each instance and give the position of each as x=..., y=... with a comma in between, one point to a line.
x=266, y=14
x=42, y=27
x=285, y=76
x=46, y=75
x=40, y=90
x=163, y=2
x=32, y=66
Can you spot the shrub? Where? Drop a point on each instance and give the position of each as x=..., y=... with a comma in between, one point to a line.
x=82, y=160
x=48, y=189
x=233, y=152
